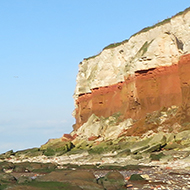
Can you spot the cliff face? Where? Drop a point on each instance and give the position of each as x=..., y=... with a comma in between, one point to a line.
x=144, y=74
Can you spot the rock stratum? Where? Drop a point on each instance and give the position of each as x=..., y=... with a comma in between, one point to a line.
x=128, y=80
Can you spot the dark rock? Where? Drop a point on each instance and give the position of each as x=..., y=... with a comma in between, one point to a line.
x=6, y=154
x=31, y=152
x=114, y=175
x=6, y=166
x=173, y=145
x=24, y=179
x=156, y=157
x=68, y=175
x=124, y=153
x=136, y=177
x=85, y=179
x=112, y=181
x=7, y=178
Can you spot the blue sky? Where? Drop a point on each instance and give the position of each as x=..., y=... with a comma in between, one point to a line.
x=41, y=45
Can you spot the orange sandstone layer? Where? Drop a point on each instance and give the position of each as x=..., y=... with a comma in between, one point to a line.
x=147, y=91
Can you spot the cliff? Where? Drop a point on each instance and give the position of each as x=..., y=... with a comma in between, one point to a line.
x=146, y=73
x=132, y=110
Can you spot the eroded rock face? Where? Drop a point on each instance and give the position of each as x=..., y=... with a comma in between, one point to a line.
x=147, y=91
x=146, y=73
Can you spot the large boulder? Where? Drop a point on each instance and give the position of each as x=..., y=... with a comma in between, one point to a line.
x=112, y=181
x=7, y=178
x=84, y=179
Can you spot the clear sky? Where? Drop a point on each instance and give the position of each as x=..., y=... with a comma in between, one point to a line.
x=41, y=45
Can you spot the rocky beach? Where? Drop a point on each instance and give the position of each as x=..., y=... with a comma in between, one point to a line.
x=164, y=170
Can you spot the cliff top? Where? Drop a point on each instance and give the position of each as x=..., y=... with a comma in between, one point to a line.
x=113, y=45
x=159, y=45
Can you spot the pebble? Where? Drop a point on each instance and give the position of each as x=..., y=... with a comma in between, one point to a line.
x=171, y=175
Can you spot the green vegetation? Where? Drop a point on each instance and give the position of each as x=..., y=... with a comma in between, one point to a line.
x=127, y=167
x=113, y=45
x=3, y=186
x=49, y=185
x=144, y=48
x=182, y=12
x=103, y=147
x=49, y=152
x=151, y=27
x=91, y=57
x=29, y=152
x=6, y=154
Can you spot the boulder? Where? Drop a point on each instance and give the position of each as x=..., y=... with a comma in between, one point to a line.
x=7, y=178
x=24, y=179
x=112, y=181
x=137, y=177
x=6, y=154
x=84, y=179
x=6, y=166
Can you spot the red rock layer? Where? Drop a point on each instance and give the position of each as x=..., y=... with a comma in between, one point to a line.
x=147, y=91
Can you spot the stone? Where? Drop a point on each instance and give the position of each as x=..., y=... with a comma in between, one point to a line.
x=155, y=144
x=84, y=179
x=114, y=175
x=170, y=137
x=6, y=154
x=67, y=137
x=183, y=135
x=91, y=128
x=172, y=145
x=7, y=178
x=140, y=146
x=156, y=157
x=68, y=175
x=136, y=177
x=6, y=166
x=112, y=181
x=124, y=153
x=31, y=152
x=24, y=179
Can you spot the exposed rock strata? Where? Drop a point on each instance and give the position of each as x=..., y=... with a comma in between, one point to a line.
x=146, y=73
x=147, y=91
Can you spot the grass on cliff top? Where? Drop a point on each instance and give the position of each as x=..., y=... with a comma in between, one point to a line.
x=113, y=45
x=161, y=23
